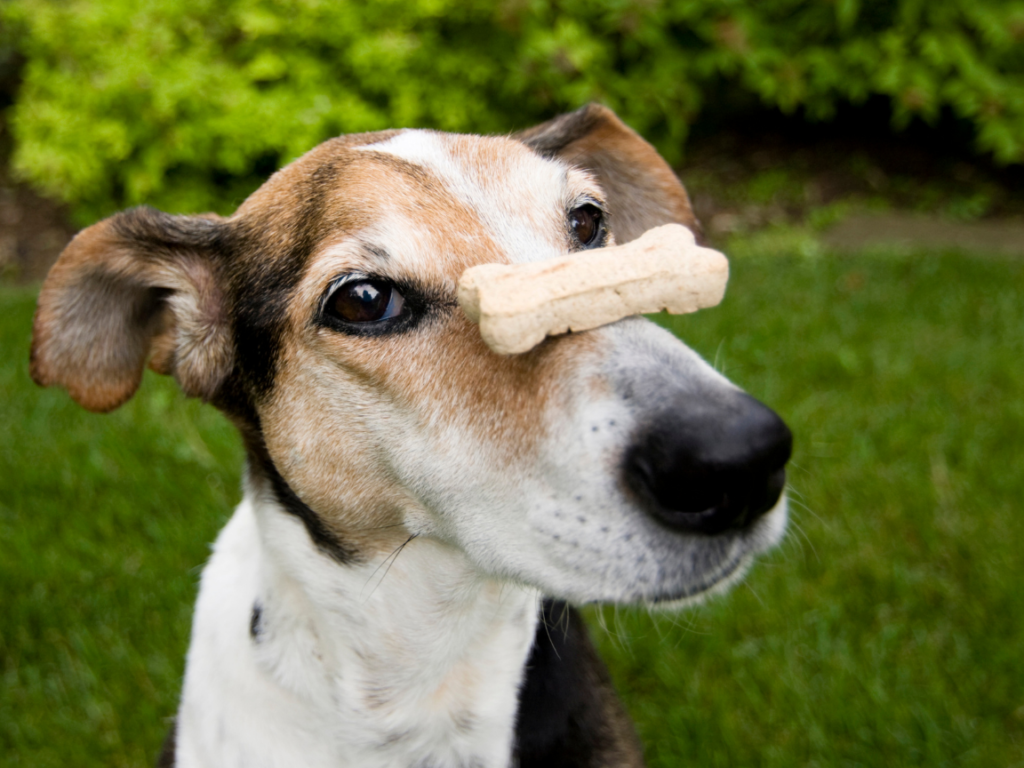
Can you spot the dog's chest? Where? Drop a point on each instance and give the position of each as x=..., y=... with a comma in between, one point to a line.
x=440, y=702
x=401, y=711
x=358, y=671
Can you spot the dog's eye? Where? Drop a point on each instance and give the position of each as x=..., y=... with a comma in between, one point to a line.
x=586, y=223
x=365, y=301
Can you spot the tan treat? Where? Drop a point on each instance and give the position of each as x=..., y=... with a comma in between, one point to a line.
x=517, y=305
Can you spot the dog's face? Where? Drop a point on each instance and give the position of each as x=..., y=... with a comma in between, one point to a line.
x=321, y=317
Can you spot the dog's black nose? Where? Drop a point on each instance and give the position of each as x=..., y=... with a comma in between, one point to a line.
x=710, y=465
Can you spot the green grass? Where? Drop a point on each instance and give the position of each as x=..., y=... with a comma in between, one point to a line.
x=886, y=630
x=105, y=522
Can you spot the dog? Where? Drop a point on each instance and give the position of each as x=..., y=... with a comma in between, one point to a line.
x=419, y=512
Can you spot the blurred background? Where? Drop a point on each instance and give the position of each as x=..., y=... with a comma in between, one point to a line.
x=860, y=161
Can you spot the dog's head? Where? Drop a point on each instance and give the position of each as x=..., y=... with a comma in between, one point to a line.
x=321, y=317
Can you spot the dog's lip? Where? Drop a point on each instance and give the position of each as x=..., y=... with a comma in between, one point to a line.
x=733, y=565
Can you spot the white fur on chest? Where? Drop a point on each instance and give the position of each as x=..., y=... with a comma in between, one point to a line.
x=413, y=661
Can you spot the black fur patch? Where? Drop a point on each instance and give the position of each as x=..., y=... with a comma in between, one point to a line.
x=324, y=539
x=256, y=622
x=260, y=300
x=562, y=719
x=260, y=294
x=167, y=758
x=261, y=465
x=273, y=263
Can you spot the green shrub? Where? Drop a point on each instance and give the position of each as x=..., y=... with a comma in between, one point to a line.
x=186, y=105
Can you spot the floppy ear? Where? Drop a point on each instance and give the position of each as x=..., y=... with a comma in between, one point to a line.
x=642, y=190
x=139, y=285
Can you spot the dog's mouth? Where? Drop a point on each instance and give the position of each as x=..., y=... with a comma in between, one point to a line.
x=721, y=579
x=736, y=559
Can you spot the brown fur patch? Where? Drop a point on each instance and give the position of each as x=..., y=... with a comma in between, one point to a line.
x=135, y=284
x=642, y=190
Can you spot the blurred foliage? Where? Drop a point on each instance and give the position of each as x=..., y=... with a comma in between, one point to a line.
x=187, y=105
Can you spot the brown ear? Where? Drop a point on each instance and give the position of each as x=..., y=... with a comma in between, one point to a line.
x=642, y=190
x=139, y=285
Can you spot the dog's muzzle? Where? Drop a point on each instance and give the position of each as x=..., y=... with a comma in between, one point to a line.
x=712, y=466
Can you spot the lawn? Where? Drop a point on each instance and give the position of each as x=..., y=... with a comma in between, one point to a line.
x=886, y=630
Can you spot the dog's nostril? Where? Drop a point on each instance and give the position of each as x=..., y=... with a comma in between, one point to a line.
x=708, y=468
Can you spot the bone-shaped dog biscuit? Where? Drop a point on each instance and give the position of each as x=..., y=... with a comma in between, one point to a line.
x=517, y=305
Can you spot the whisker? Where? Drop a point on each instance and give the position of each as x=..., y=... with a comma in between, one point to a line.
x=803, y=539
x=389, y=561
x=808, y=509
x=547, y=631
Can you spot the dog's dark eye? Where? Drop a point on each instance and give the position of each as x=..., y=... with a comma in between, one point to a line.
x=586, y=223
x=365, y=301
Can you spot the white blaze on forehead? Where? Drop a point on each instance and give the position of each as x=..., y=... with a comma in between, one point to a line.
x=521, y=198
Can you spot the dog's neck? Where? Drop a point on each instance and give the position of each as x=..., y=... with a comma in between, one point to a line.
x=407, y=658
